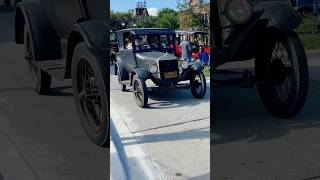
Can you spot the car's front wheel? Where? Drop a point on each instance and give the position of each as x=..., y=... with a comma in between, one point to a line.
x=198, y=85
x=40, y=80
x=140, y=91
x=283, y=63
x=90, y=87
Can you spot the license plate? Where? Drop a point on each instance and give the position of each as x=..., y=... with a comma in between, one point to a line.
x=169, y=75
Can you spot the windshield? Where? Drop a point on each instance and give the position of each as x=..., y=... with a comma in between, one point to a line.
x=154, y=42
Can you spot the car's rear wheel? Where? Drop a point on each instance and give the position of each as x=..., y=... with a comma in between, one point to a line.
x=198, y=85
x=122, y=86
x=283, y=63
x=40, y=80
x=140, y=91
x=90, y=87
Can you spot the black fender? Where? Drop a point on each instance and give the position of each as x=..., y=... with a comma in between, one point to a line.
x=245, y=38
x=280, y=14
x=142, y=74
x=95, y=35
x=124, y=75
x=197, y=66
x=44, y=38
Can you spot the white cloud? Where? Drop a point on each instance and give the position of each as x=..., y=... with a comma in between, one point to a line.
x=153, y=11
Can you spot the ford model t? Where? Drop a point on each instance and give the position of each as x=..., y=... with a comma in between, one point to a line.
x=69, y=39
x=263, y=31
x=150, y=54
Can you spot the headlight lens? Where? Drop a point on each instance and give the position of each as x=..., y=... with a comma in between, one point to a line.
x=238, y=11
x=153, y=68
x=184, y=64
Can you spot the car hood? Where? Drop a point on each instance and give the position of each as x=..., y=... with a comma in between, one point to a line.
x=154, y=56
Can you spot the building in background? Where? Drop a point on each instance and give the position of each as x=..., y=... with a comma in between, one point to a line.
x=141, y=9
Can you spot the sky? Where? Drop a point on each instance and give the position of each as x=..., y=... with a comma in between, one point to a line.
x=152, y=5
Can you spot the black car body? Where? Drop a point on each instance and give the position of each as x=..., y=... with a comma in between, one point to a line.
x=60, y=38
x=153, y=57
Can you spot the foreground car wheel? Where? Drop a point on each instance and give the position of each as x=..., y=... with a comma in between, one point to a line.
x=140, y=91
x=122, y=86
x=198, y=85
x=41, y=81
x=90, y=87
x=284, y=63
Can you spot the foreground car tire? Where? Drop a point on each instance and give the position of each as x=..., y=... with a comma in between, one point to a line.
x=90, y=87
x=283, y=61
x=198, y=85
x=41, y=81
x=140, y=91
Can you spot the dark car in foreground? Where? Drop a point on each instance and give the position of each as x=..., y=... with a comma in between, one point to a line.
x=150, y=54
x=69, y=39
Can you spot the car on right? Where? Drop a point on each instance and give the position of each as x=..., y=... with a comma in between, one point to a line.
x=263, y=31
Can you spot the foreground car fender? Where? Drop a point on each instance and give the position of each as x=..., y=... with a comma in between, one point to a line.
x=43, y=36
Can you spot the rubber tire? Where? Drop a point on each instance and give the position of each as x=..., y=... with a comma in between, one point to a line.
x=203, y=85
x=123, y=87
x=40, y=85
x=99, y=66
x=144, y=88
x=299, y=63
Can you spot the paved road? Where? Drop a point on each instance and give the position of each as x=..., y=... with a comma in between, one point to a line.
x=40, y=136
x=173, y=131
x=250, y=144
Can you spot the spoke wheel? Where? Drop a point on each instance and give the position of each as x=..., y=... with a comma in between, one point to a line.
x=90, y=83
x=140, y=92
x=198, y=85
x=282, y=62
x=40, y=80
x=90, y=98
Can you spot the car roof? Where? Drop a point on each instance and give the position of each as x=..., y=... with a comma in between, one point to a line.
x=148, y=31
x=190, y=32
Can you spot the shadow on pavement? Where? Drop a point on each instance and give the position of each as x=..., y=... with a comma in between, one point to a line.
x=200, y=133
x=239, y=115
x=172, y=98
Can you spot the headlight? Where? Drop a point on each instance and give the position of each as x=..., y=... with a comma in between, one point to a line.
x=238, y=11
x=153, y=68
x=184, y=64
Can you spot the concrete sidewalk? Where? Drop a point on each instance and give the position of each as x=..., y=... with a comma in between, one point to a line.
x=13, y=164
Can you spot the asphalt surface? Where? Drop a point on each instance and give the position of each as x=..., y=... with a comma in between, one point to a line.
x=40, y=136
x=250, y=144
x=173, y=131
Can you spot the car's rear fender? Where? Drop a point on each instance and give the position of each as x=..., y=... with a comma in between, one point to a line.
x=124, y=75
x=44, y=38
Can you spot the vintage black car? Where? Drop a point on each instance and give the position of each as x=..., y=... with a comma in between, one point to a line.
x=263, y=31
x=150, y=54
x=69, y=39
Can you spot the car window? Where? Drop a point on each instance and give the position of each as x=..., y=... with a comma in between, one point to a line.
x=143, y=42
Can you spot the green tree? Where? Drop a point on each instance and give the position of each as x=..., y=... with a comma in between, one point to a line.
x=167, y=18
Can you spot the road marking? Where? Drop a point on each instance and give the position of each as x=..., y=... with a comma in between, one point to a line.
x=135, y=162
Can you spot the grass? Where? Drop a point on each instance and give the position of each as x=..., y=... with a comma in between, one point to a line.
x=206, y=71
x=305, y=33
